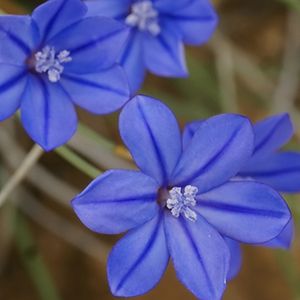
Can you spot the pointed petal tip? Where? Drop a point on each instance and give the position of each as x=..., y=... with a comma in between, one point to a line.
x=221, y=145
x=285, y=117
x=235, y=258
x=48, y=147
x=117, y=201
x=53, y=16
x=284, y=240
x=150, y=131
x=272, y=133
x=200, y=256
x=44, y=114
x=247, y=221
x=141, y=252
x=99, y=93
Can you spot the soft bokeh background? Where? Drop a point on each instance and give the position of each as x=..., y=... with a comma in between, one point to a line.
x=251, y=66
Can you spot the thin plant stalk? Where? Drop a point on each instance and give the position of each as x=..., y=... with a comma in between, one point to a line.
x=78, y=162
x=30, y=160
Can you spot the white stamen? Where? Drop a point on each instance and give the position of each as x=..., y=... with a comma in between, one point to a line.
x=47, y=61
x=144, y=16
x=179, y=203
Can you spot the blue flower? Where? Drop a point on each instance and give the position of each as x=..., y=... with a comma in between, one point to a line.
x=269, y=165
x=181, y=203
x=159, y=28
x=57, y=58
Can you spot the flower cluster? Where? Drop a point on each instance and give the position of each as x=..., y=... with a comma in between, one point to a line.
x=279, y=169
x=49, y=63
x=196, y=195
x=182, y=203
x=158, y=29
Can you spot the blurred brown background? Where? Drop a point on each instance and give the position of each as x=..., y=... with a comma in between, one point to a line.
x=251, y=66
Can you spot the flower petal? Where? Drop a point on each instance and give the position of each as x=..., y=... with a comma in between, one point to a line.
x=279, y=170
x=164, y=54
x=19, y=35
x=196, y=21
x=12, y=84
x=200, y=256
x=217, y=151
x=95, y=51
x=47, y=113
x=189, y=131
x=110, y=8
x=246, y=211
x=53, y=16
x=117, y=201
x=132, y=59
x=235, y=258
x=284, y=239
x=99, y=93
x=139, y=260
x=272, y=133
x=150, y=131
x=170, y=5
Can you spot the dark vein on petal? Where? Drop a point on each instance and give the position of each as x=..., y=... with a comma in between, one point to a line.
x=269, y=173
x=52, y=20
x=12, y=81
x=45, y=93
x=159, y=159
x=213, y=160
x=127, y=48
x=17, y=41
x=144, y=253
x=94, y=84
x=167, y=47
x=120, y=17
x=239, y=209
x=95, y=41
x=189, y=135
x=182, y=6
x=268, y=136
x=142, y=198
x=182, y=18
x=194, y=247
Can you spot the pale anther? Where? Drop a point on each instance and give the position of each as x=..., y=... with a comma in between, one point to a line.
x=144, y=16
x=48, y=61
x=180, y=202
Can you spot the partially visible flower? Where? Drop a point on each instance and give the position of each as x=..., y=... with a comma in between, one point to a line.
x=181, y=203
x=159, y=28
x=54, y=59
x=268, y=164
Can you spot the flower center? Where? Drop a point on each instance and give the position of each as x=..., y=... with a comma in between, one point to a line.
x=144, y=16
x=180, y=203
x=48, y=61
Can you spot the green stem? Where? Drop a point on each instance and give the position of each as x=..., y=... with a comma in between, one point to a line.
x=76, y=161
x=26, y=165
x=33, y=262
x=86, y=131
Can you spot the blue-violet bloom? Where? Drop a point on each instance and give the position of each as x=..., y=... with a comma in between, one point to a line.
x=159, y=29
x=181, y=203
x=268, y=164
x=55, y=58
